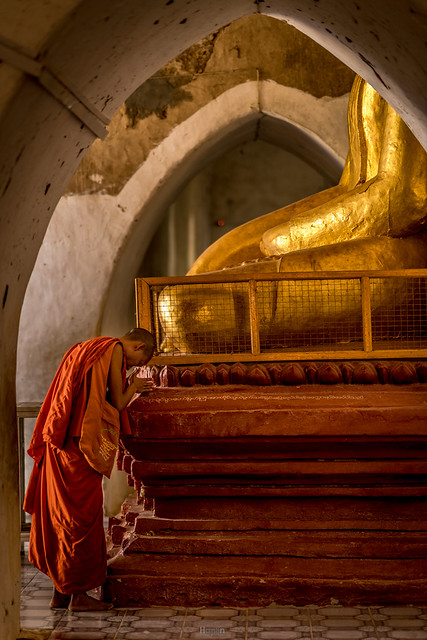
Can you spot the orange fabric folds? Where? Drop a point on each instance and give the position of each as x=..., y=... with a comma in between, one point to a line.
x=76, y=405
x=67, y=540
x=100, y=427
x=74, y=442
x=70, y=381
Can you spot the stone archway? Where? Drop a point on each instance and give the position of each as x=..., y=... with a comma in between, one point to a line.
x=225, y=122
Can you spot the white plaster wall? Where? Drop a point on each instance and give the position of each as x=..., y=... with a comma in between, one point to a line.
x=66, y=289
x=323, y=118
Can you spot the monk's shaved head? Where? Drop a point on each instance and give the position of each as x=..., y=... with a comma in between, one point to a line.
x=141, y=335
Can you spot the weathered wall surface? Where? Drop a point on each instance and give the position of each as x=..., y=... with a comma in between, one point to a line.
x=252, y=48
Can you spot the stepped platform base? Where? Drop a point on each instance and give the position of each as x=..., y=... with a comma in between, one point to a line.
x=252, y=495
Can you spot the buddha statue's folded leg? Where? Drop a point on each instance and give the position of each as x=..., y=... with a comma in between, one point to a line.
x=382, y=191
x=215, y=318
x=363, y=254
x=243, y=243
x=203, y=318
x=331, y=311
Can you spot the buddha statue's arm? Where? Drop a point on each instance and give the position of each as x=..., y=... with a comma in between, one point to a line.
x=393, y=202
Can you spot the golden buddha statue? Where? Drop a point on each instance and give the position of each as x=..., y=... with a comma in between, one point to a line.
x=373, y=219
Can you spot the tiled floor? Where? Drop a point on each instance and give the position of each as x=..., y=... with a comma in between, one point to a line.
x=158, y=623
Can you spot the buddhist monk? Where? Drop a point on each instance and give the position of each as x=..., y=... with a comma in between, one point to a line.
x=74, y=444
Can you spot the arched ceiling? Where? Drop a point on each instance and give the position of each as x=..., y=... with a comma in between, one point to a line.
x=252, y=49
x=106, y=49
x=255, y=78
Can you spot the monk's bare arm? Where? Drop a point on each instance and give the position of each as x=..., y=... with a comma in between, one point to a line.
x=119, y=398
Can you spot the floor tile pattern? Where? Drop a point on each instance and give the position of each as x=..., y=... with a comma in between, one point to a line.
x=160, y=623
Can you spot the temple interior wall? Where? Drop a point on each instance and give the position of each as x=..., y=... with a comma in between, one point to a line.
x=106, y=52
x=281, y=138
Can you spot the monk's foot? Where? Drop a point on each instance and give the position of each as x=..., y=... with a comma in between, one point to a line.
x=59, y=600
x=83, y=602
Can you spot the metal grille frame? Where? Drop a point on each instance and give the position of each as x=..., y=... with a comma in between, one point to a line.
x=387, y=318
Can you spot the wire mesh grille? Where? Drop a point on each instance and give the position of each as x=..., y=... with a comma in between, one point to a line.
x=280, y=315
x=304, y=313
x=399, y=314
x=208, y=318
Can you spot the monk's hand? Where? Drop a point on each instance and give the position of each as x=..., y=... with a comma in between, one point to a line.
x=143, y=385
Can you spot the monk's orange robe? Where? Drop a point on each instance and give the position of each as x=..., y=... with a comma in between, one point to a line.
x=74, y=442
